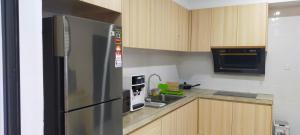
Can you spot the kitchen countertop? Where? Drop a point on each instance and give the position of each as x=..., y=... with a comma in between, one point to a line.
x=135, y=120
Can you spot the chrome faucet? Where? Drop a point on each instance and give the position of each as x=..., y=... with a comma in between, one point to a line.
x=148, y=84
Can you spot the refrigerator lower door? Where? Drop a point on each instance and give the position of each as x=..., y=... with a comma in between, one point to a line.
x=102, y=119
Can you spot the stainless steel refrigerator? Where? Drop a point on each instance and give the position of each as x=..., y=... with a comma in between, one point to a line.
x=82, y=77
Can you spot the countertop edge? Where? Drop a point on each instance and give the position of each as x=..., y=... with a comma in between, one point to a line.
x=242, y=100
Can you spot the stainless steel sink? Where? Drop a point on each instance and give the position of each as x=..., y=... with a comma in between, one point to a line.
x=162, y=100
x=236, y=94
x=165, y=98
x=155, y=104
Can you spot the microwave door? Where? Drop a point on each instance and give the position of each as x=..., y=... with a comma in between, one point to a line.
x=89, y=58
x=239, y=60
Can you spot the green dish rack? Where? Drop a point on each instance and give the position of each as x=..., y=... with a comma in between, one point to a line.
x=169, y=92
x=164, y=90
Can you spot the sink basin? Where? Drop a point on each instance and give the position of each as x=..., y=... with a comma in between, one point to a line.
x=236, y=94
x=155, y=104
x=167, y=99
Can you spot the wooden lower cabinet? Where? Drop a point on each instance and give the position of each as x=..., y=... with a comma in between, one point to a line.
x=251, y=119
x=218, y=117
x=182, y=121
x=187, y=123
x=215, y=117
x=154, y=128
x=169, y=124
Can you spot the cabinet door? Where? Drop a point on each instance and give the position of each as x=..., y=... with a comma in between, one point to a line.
x=183, y=29
x=187, y=119
x=153, y=128
x=182, y=121
x=169, y=126
x=139, y=27
x=224, y=26
x=251, y=119
x=252, y=25
x=201, y=30
x=171, y=25
x=125, y=23
x=263, y=120
x=115, y=5
x=163, y=27
x=215, y=117
x=157, y=18
x=155, y=24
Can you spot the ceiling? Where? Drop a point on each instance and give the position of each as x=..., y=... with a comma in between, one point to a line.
x=198, y=4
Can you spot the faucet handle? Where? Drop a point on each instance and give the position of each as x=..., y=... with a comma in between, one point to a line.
x=163, y=97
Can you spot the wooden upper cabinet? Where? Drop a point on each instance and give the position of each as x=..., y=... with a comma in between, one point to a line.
x=239, y=26
x=215, y=117
x=170, y=25
x=175, y=26
x=251, y=119
x=224, y=26
x=183, y=29
x=252, y=25
x=201, y=30
x=154, y=128
x=115, y=5
x=155, y=24
x=157, y=18
x=126, y=23
x=165, y=25
x=139, y=23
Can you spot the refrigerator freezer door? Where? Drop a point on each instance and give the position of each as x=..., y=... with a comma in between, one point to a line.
x=89, y=51
x=103, y=119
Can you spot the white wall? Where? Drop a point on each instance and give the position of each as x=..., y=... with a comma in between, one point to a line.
x=1, y=81
x=282, y=71
x=146, y=62
x=197, y=4
x=31, y=67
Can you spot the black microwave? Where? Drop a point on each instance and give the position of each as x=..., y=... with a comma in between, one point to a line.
x=237, y=60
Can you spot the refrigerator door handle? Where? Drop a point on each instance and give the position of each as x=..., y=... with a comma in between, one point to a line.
x=106, y=61
x=67, y=42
